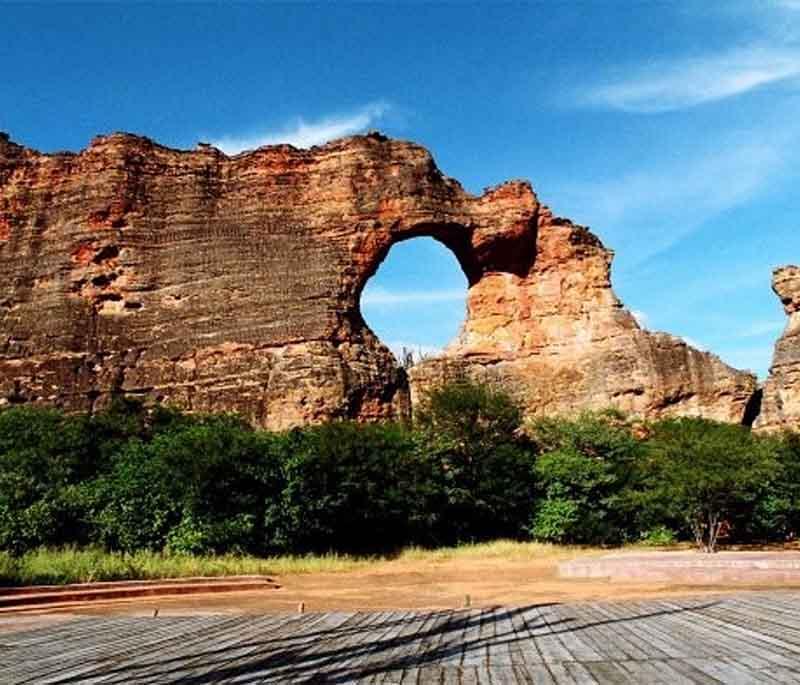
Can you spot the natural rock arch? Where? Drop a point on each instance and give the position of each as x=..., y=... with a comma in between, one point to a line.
x=432, y=257
x=232, y=283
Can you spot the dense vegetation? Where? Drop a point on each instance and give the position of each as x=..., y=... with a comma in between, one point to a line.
x=469, y=469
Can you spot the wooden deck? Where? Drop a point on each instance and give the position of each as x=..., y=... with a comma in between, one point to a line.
x=748, y=638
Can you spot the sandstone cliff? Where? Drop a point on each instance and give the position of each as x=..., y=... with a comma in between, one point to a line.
x=218, y=282
x=780, y=405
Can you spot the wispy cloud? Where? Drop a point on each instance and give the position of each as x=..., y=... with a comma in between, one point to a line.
x=641, y=318
x=382, y=297
x=687, y=82
x=304, y=134
x=691, y=342
x=669, y=199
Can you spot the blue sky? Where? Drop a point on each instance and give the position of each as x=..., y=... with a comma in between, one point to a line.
x=671, y=129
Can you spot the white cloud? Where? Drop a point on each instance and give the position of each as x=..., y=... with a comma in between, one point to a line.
x=303, y=134
x=382, y=297
x=678, y=84
x=641, y=318
x=691, y=342
x=670, y=199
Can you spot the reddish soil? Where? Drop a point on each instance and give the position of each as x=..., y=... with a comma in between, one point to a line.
x=418, y=584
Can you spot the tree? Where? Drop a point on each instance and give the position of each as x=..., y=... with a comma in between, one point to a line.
x=473, y=437
x=776, y=515
x=582, y=471
x=350, y=487
x=43, y=455
x=704, y=471
x=205, y=484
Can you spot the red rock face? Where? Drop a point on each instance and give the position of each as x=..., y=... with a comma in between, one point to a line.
x=780, y=406
x=233, y=283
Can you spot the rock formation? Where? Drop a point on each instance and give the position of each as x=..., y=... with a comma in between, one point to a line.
x=233, y=283
x=780, y=404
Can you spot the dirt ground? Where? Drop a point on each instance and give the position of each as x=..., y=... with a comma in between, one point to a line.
x=419, y=584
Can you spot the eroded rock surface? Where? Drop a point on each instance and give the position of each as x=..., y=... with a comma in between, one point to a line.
x=233, y=283
x=780, y=405
x=561, y=340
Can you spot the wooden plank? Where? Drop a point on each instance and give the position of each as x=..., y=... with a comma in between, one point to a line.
x=747, y=638
x=257, y=640
x=580, y=674
x=619, y=637
x=550, y=648
x=339, y=652
x=295, y=632
x=565, y=622
x=474, y=651
x=535, y=674
x=96, y=655
x=500, y=647
x=639, y=625
x=654, y=671
x=611, y=673
x=526, y=621
x=395, y=657
x=728, y=639
x=374, y=661
x=560, y=674
x=726, y=671
x=452, y=645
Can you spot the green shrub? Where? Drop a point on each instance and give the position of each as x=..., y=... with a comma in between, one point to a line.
x=203, y=486
x=556, y=520
x=704, y=473
x=42, y=455
x=660, y=536
x=350, y=487
x=137, y=503
x=153, y=480
x=471, y=436
x=583, y=470
x=776, y=512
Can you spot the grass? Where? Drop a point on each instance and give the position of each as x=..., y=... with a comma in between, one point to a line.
x=70, y=565
x=85, y=565
x=510, y=550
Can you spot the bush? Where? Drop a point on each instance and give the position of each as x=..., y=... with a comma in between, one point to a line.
x=706, y=474
x=584, y=468
x=42, y=456
x=472, y=437
x=776, y=513
x=351, y=487
x=200, y=487
x=133, y=479
x=661, y=536
x=556, y=520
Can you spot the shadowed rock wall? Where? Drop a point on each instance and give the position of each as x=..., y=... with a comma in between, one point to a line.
x=233, y=283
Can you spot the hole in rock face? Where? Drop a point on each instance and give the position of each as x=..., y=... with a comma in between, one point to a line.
x=416, y=300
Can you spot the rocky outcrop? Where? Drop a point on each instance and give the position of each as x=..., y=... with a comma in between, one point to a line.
x=780, y=404
x=559, y=338
x=233, y=283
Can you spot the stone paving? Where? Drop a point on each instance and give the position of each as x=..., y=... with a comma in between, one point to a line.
x=689, y=567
